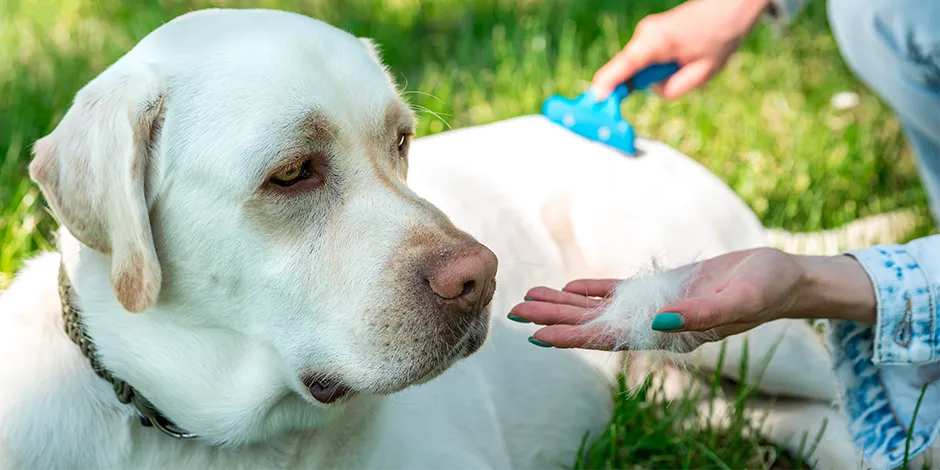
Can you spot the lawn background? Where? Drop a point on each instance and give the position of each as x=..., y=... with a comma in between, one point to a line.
x=766, y=125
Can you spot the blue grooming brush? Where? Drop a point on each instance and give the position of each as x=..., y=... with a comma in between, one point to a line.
x=601, y=121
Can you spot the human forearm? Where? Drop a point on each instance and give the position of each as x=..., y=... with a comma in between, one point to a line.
x=835, y=287
x=885, y=284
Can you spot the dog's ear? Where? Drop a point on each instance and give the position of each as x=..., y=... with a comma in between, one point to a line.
x=92, y=167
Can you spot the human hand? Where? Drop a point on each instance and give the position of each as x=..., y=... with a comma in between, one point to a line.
x=730, y=294
x=699, y=35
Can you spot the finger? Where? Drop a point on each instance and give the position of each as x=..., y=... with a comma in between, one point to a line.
x=566, y=337
x=598, y=337
x=547, y=313
x=735, y=328
x=705, y=313
x=696, y=314
x=545, y=294
x=593, y=287
x=643, y=50
x=687, y=78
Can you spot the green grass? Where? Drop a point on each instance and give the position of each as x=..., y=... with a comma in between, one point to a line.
x=764, y=125
x=650, y=431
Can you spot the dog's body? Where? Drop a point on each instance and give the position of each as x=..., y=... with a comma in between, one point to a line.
x=231, y=345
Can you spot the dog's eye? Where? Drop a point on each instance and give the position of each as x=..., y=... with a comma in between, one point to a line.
x=301, y=175
x=403, y=138
x=292, y=175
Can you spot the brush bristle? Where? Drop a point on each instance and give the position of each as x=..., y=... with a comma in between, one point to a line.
x=581, y=117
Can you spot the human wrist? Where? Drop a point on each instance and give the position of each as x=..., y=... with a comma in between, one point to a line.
x=834, y=287
x=747, y=13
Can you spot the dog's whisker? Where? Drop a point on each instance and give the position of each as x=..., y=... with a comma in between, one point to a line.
x=428, y=111
x=416, y=92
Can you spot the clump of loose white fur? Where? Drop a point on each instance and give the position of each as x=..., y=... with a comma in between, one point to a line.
x=627, y=314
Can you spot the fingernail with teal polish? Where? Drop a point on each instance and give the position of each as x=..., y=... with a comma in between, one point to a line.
x=528, y=299
x=667, y=322
x=517, y=319
x=539, y=343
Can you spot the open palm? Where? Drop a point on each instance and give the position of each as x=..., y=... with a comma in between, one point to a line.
x=730, y=294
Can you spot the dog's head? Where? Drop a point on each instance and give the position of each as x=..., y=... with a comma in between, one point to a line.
x=244, y=172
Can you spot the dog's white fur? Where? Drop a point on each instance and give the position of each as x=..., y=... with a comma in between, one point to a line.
x=626, y=316
x=156, y=175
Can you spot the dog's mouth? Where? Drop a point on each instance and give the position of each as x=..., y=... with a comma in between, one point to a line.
x=326, y=390
x=470, y=344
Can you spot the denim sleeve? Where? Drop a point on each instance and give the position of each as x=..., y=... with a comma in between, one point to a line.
x=884, y=368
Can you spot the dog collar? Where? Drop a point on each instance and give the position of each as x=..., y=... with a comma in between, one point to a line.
x=148, y=414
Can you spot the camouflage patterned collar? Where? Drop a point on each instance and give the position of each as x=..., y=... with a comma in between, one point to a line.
x=71, y=316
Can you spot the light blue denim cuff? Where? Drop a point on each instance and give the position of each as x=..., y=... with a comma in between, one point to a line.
x=883, y=368
x=906, y=280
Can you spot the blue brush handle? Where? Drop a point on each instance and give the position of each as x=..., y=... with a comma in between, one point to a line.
x=651, y=75
x=644, y=78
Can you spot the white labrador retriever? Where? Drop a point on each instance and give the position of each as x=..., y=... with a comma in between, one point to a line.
x=247, y=281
